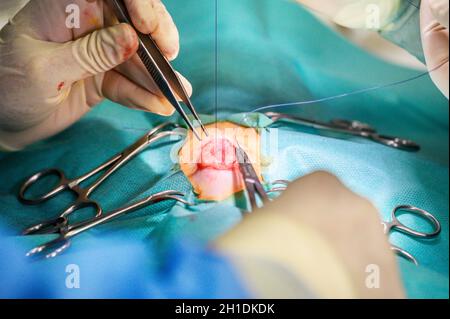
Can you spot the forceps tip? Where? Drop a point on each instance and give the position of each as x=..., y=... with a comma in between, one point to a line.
x=194, y=131
x=199, y=122
x=204, y=130
x=194, y=113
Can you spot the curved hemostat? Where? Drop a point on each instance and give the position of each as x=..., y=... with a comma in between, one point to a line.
x=353, y=128
x=63, y=241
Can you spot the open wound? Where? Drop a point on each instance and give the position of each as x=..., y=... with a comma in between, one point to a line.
x=211, y=164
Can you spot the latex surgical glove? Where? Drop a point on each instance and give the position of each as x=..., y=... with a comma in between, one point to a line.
x=398, y=22
x=355, y=13
x=52, y=72
x=435, y=40
x=318, y=239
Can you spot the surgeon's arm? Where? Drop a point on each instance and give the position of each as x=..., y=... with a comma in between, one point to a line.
x=420, y=27
x=317, y=240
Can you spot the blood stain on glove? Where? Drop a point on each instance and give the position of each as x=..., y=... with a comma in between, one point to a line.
x=61, y=86
x=211, y=164
x=127, y=52
x=128, y=45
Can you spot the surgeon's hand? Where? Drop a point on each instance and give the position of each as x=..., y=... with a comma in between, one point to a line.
x=353, y=13
x=435, y=40
x=320, y=233
x=52, y=72
x=434, y=24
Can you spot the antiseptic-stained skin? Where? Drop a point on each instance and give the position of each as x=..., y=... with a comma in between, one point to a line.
x=211, y=165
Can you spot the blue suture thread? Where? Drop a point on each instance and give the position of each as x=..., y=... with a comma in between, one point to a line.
x=357, y=92
x=216, y=64
x=340, y=96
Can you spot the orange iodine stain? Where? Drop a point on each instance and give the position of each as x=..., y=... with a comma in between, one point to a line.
x=92, y=19
x=211, y=164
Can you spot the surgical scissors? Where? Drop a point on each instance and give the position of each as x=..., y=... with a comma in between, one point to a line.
x=83, y=194
x=65, y=234
x=160, y=69
x=395, y=224
x=251, y=180
x=354, y=128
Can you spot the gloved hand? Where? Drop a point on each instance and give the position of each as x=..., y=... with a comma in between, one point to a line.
x=435, y=40
x=319, y=233
x=434, y=25
x=51, y=74
x=353, y=13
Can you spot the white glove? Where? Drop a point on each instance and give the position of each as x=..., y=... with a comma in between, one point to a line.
x=339, y=234
x=434, y=25
x=51, y=75
x=353, y=13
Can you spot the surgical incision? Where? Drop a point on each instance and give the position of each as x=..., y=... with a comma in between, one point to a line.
x=211, y=165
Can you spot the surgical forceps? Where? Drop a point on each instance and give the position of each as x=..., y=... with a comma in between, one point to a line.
x=65, y=234
x=251, y=180
x=354, y=128
x=83, y=194
x=160, y=69
x=395, y=224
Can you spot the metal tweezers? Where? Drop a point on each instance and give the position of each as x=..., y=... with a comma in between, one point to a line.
x=160, y=69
